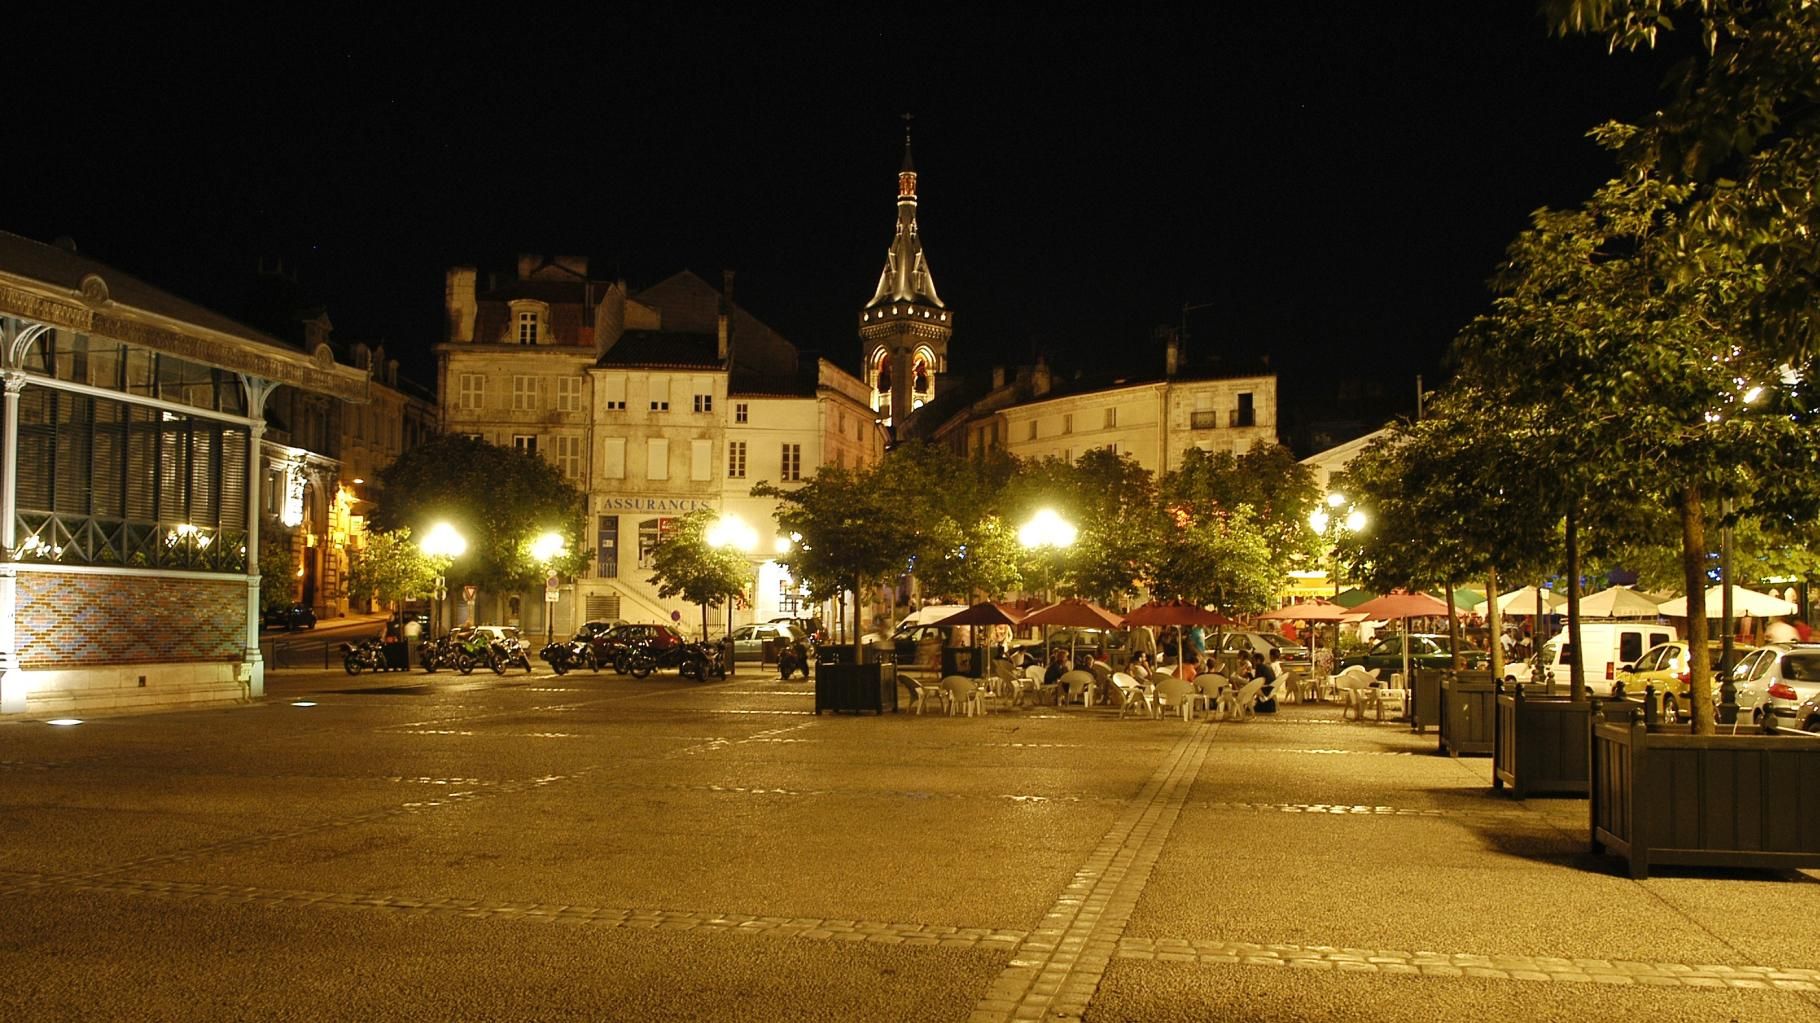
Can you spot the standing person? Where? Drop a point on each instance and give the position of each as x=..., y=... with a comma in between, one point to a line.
x=1746, y=627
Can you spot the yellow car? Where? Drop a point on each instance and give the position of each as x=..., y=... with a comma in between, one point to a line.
x=1665, y=667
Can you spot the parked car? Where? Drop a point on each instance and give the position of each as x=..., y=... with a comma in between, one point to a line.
x=296, y=616
x=1100, y=641
x=1777, y=678
x=1248, y=643
x=1807, y=716
x=1665, y=666
x=1609, y=646
x=612, y=640
x=749, y=640
x=1426, y=650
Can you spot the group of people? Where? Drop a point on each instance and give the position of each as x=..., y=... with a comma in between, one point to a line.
x=1143, y=666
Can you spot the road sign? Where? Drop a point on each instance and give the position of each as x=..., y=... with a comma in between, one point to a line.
x=468, y=592
x=552, y=589
x=676, y=616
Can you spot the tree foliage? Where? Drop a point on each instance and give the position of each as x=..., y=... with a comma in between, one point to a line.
x=277, y=565
x=846, y=530
x=500, y=499
x=391, y=568
x=686, y=564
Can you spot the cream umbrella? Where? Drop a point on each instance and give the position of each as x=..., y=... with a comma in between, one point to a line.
x=1618, y=602
x=1744, y=601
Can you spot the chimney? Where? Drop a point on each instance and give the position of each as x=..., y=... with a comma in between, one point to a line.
x=528, y=262
x=458, y=297
x=723, y=330
x=1172, y=354
x=610, y=318
x=1039, y=378
x=998, y=377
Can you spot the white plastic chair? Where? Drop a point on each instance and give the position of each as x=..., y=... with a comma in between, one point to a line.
x=1131, y=693
x=920, y=691
x=1077, y=686
x=1173, y=693
x=1243, y=703
x=963, y=694
x=1351, y=686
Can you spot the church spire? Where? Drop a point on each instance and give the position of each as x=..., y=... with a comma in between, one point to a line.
x=904, y=328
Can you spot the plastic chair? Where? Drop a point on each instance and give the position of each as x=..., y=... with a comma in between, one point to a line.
x=920, y=691
x=1351, y=685
x=1172, y=693
x=1243, y=703
x=1131, y=693
x=963, y=693
x=1078, y=685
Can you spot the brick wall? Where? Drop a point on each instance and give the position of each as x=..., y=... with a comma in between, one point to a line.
x=73, y=620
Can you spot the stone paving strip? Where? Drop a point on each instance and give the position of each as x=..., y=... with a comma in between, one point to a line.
x=1020, y=944
x=1542, y=969
x=1334, y=752
x=813, y=928
x=1054, y=973
x=1362, y=810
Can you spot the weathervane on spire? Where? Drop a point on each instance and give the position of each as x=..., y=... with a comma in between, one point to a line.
x=906, y=178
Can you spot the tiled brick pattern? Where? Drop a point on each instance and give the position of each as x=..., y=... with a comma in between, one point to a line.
x=74, y=621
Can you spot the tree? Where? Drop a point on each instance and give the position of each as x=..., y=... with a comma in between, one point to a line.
x=391, y=568
x=983, y=559
x=277, y=565
x=501, y=499
x=1219, y=558
x=688, y=563
x=847, y=530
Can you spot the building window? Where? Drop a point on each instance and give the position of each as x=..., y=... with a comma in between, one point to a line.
x=1068, y=422
x=526, y=442
x=568, y=394
x=650, y=534
x=736, y=459
x=613, y=461
x=616, y=393
x=607, y=560
x=1032, y=430
x=792, y=463
x=704, y=403
x=657, y=459
x=473, y=392
x=739, y=411
x=568, y=457
x=660, y=394
x=527, y=328
x=1112, y=417
x=1246, y=413
x=524, y=394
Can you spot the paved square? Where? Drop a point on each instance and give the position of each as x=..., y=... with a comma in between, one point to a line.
x=593, y=847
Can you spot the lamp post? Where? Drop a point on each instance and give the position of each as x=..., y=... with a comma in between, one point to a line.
x=442, y=544
x=731, y=533
x=1321, y=519
x=1047, y=530
x=546, y=549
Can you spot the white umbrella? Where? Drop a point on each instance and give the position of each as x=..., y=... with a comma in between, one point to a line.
x=1619, y=602
x=1744, y=601
x=1523, y=601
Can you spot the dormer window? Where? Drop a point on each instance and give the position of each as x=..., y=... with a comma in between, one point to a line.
x=529, y=323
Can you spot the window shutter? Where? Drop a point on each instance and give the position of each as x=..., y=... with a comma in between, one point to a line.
x=699, y=450
x=657, y=459
x=613, y=466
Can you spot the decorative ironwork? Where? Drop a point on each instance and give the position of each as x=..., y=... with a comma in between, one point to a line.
x=87, y=540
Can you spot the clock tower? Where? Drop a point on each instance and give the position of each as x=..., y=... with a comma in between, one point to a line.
x=904, y=329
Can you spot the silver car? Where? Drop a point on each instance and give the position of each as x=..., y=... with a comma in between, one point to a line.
x=749, y=640
x=1779, y=677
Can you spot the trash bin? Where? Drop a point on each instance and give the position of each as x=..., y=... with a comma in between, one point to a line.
x=397, y=656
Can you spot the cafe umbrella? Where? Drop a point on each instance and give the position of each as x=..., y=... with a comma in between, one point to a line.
x=1404, y=606
x=1178, y=613
x=1074, y=611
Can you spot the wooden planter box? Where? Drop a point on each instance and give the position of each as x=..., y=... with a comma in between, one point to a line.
x=1540, y=744
x=1468, y=713
x=870, y=687
x=1704, y=800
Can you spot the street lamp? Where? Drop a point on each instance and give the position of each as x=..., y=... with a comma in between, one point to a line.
x=1321, y=519
x=443, y=545
x=730, y=532
x=1047, y=529
x=546, y=549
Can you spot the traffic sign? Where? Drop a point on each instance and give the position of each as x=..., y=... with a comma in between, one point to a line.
x=468, y=592
x=552, y=589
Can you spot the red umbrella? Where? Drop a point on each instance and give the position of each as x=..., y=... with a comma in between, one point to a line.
x=1178, y=613
x=1076, y=612
x=1312, y=611
x=1404, y=606
x=988, y=613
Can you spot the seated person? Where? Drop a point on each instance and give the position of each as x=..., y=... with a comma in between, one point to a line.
x=1058, y=666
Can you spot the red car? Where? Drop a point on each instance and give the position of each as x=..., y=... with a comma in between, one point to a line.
x=612, y=641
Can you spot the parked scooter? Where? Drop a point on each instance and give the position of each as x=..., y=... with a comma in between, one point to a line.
x=509, y=652
x=701, y=662
x=368, y=654
x=570, y=655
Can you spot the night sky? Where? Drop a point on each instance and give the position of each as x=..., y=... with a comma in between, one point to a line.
x=1331, y=183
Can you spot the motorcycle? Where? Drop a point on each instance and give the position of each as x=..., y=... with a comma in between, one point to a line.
x=509, y=653
x=641, y=660
x=436, y=653
x=573, y=654
x=473, y=648
x=701, y=661
x=368, y=654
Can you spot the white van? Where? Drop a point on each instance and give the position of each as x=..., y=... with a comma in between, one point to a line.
x=929, y=615
x=1609, y=647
